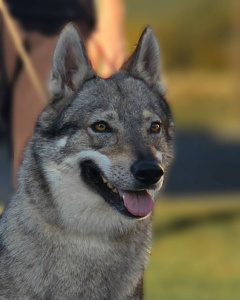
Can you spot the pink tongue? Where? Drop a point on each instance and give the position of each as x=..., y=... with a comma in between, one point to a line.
x=137, y=203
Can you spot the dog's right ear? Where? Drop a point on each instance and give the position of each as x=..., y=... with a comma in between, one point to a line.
x=144, y=63
x=71, y=67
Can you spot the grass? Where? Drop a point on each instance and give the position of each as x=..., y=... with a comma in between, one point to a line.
x=196, y=250
x=191, y=33
x=204, y=100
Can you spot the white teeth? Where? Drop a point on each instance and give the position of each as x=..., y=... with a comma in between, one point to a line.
x=104, y=179
x=109, y=185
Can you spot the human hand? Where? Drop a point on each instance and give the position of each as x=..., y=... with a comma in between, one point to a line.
x=106, y=45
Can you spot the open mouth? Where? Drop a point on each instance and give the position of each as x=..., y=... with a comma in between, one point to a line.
x=134, y=204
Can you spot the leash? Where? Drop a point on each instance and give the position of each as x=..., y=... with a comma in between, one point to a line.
x=22, y=52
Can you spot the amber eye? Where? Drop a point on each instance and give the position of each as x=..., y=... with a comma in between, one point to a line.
x=155, y=127
x=100, y=127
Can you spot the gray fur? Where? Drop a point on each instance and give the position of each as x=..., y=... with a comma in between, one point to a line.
x=145, y=62
x=59, y=239
x=71, y=66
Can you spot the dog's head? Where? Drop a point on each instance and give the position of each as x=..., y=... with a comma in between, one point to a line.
x=105, y=144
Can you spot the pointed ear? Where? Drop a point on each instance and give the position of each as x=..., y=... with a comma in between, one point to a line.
x=145, y=60
x=71, y=66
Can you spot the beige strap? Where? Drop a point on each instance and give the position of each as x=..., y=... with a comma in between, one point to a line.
x=22, y=52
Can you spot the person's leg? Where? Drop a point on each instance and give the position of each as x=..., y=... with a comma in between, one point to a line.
x=10, y=69
x=27, y=103
x=9, y=50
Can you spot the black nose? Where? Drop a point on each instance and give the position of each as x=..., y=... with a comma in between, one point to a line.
x=148, y=172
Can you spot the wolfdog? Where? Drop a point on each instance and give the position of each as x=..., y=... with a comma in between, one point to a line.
x=79, y=224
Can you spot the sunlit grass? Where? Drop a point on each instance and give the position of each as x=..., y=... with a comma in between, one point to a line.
x=204, y=100
x=196, y=250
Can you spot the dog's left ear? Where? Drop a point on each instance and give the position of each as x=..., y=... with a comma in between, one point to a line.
x=145, y=60
x=71, y=66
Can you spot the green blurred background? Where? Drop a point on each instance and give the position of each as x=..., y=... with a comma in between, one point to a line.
x=196, y=249
x=199, y=41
